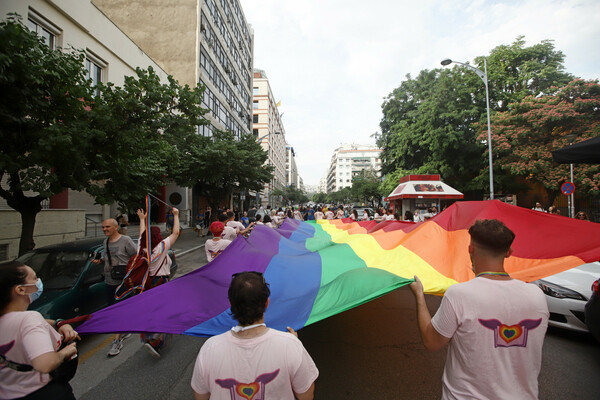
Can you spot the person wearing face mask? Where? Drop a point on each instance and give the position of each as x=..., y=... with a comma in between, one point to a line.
x=30, y=346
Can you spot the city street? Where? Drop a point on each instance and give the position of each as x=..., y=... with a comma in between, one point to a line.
x=370, y=352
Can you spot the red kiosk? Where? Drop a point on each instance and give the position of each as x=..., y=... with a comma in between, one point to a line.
x=420, y=192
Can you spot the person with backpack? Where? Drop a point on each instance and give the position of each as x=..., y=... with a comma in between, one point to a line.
x=159, y=269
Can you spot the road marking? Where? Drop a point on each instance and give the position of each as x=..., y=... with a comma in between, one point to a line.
x=86, y=356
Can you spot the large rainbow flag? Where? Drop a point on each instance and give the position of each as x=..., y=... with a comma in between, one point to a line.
x=318, y=269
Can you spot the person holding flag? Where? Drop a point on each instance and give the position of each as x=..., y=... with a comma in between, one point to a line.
x=159, y=266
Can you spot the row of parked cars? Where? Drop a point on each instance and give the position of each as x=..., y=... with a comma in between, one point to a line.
x=73, y=286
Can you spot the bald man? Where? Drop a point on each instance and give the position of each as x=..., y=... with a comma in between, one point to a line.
x=118, y=249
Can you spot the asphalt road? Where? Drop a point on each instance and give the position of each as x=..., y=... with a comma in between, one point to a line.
x=370, y=352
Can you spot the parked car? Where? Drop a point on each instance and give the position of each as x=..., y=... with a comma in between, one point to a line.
x=73, y=285
x=592, y=311
x=567, y=293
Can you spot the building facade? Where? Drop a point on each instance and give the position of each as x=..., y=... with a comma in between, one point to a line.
x=348, y=161
x=270, y=133
x=290, y=167
x=198, y=42
x=110, y=56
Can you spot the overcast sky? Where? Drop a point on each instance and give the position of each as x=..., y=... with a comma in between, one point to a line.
x=331, y=62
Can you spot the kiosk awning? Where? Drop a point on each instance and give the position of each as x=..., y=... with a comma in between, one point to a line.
x=423, y=187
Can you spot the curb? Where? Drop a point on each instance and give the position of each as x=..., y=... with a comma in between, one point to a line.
x=186, y=251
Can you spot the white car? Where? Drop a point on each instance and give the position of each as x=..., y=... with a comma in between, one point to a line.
x=566, y=294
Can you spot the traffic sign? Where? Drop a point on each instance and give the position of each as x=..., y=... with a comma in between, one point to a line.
x=567, y=188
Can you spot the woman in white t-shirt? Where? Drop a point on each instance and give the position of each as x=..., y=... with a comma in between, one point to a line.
x=319, y=214
x=340, y=213
x=354, y=215
x=159, y=270
x=29, y=344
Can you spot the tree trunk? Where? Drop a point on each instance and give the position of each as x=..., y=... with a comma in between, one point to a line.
x=28, y=215
x=28, y=207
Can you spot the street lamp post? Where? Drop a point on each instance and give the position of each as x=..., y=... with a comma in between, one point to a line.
x=269, y=160
x=571, y=138
x=484, y=78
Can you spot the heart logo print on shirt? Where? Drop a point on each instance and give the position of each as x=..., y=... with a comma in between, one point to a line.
x=247, y=390
x=510, y=333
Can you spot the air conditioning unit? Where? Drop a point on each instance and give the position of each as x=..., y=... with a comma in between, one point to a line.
x=177, y=196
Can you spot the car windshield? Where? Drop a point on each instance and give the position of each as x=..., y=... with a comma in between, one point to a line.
x=57, y=269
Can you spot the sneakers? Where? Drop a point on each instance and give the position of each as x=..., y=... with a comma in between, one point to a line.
x=125, y=336
x=153, y=352
x=115, y=348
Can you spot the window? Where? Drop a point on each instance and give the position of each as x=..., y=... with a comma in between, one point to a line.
x=48, y=37
x=255, y=118
x=43, y=28
x=255, y=91
x=93, y=71
x=255, y=104
x=255, y=132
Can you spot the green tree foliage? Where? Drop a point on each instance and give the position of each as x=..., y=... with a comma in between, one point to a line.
x=44, y=124
x=390, y=182
x=319, y=198
x=365, y=187
x=226, y=165
x=146, y=136
x=525, y=135
x=342, y=196
x=431, y=123
x=291, y=195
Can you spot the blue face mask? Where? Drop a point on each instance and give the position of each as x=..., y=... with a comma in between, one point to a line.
x=40, y=289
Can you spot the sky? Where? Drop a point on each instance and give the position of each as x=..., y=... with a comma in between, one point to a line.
x=331, y=63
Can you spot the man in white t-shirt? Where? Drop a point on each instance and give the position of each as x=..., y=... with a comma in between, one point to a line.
x=215, y=246
x=495, y=324
x=252, y=361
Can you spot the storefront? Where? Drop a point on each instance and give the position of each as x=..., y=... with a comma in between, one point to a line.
x=418, y=193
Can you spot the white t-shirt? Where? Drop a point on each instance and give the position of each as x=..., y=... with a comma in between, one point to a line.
x=340, y=214
x=329, y=214
x=270, y=366
x=298, y=215
x=236, y=225
x=161, y=264
x=24, y=335
x=389, y=217
x=229, y=233
x=351, y=216
x=213, y=248
x=319, y=215
x=497, y=329
x=365, y=217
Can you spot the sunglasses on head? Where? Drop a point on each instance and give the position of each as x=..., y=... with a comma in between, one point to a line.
x=248, y=272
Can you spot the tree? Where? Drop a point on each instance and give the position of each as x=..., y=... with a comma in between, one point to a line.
x=57, y=134
x=46, y=140
x=365, y=187
x=225, y=165
x=319, y=198
x=291, y=195
x=525, y=135
x=146, y=137
x=391, y=181
x=431, y=123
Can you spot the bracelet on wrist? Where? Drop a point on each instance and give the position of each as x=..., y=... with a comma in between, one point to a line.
x=57, y=323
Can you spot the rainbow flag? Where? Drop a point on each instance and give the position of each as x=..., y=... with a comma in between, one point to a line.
x=318, y=269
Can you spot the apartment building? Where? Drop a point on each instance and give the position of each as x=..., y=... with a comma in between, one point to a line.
x=348, y=161
x=270, y=133
x=207, y=42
